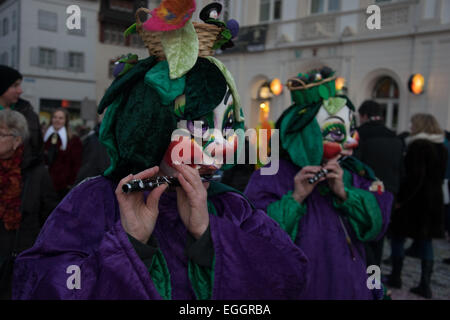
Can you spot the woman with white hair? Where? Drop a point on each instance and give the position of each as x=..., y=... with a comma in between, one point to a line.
x=26, y=195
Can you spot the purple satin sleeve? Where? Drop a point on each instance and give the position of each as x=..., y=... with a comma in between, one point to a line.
x=254, y=253
x=81, y=234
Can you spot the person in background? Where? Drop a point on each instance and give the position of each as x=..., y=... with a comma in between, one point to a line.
x=10, y=92
x=63, y=151
x=419, y=211
x=344, y=205
x=381, y=150
x=95, y=159
x=26, y=193
x=447, y=188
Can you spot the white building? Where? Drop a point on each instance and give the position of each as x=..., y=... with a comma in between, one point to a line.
x=57, y=63
x=280, y=38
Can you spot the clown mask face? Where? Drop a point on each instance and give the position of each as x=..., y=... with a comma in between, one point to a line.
x=338, y=125
x=206, y=143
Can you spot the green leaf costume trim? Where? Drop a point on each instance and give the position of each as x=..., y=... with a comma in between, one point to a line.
x=202, y=278
x=159, y=272
x=230, y=81
x=287, y=212
x=363, y=212
x=181, y=49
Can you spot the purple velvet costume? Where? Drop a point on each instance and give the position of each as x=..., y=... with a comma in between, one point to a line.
x=254, y=259
x=334, y=274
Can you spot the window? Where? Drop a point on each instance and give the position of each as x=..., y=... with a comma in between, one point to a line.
x=323, y=6
x=76, y=62
x=14, y=21
x=4, y=58
x=48, y=20
x=47, y=58
x=5, y=26
x=386, y=93
x=113, y=35
x=270, y=10
x=79, y=32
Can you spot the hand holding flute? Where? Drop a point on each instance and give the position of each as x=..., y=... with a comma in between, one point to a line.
x=139, y=215
x=309, y=177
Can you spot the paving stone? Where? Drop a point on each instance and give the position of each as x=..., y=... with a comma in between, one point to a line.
x=440, y=280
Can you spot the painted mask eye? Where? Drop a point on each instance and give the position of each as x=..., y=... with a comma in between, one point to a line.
x=200, y=122
x=335, y=133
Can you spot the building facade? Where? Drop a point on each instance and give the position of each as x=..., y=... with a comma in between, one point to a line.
x=57, y=62
x=280, y=38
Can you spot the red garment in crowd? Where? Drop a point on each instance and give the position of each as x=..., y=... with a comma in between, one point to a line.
x=64, y=168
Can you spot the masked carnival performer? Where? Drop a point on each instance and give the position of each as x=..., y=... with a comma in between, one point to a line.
x=199, y=240
x=343, y=205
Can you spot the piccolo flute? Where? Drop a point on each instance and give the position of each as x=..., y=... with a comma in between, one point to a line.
x=323, y=172
x=139, y=185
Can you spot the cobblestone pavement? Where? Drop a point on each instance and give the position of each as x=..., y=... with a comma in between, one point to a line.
x=440, y=280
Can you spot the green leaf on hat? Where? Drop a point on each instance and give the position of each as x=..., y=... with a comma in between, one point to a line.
x=324, y=93
x=181, y=49
x=334, y=105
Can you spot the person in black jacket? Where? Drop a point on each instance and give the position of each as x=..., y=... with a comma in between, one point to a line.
x=382, y=150
x=10, y=91
x=26, y=194
x=95, y=159
x=419, y=212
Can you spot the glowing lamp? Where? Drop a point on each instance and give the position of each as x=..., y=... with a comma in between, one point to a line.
x=416, y=84
x=340, y=83
x=276, y=87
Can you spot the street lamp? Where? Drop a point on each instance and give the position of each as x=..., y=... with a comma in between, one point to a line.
x=416, y=84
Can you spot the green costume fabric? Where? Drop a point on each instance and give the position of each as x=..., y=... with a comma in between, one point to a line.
x=160, y=275
x=287, y=212
x=158, y=78
x=302, y=146
x=314, y=94
x=124, y=130
x=202, y=278
x=231, y=83
x=133, y=104
x=363, y=212
x=205, y=88
x=361, y=208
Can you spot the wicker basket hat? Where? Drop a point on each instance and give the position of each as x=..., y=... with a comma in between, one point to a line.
x=207, y=35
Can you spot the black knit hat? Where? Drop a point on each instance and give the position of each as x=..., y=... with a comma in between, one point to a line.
x=7, y=77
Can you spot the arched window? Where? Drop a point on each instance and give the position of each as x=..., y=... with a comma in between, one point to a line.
x=387, y=94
